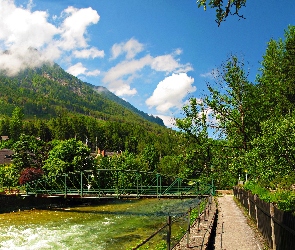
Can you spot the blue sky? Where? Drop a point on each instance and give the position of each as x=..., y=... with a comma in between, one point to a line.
x=154, y=54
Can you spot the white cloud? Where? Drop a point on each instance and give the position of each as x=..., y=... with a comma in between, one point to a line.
x=30, y=5
x=95, y=72
x=120, y=88
x=125, y=68
x=177, y=52
x=131, y=48
x=79, y=69
x=164, y=63
x=75, y=25
x=211, y=75
x=126, y=71
x=87, y=53
x=16, y=27
x=23, y=31
x=170, y=92
x=168, y=120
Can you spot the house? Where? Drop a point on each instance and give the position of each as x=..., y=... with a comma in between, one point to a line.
x=5, y=156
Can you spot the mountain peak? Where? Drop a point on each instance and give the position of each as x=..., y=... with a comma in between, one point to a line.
x=44, y=90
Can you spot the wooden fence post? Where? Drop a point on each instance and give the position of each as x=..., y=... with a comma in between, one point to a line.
x=256, y=212
x=273, y=236
x=169, y=233
x=188, y=228
x=199, y=219
x=249, y=205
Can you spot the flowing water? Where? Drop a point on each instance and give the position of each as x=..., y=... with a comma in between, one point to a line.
x=119, y=224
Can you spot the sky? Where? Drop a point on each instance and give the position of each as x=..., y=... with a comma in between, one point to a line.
x=154, y=54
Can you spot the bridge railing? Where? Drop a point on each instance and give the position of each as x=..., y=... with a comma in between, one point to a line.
x=102, y=182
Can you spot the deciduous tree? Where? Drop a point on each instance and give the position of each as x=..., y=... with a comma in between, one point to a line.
x=223, y=8
x=16, y=124
x=68, y=156
x=276, y=84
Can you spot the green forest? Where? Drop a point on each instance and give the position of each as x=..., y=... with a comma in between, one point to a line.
x=239, y=130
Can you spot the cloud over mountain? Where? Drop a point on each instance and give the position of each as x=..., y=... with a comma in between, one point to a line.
x=28, y=39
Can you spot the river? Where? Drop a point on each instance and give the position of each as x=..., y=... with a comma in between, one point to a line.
x=119, y=224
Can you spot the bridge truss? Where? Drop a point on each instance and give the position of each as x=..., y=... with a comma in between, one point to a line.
x=117, y=183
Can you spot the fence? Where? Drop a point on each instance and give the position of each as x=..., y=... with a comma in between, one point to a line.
x=277, y=226
x=203, y=208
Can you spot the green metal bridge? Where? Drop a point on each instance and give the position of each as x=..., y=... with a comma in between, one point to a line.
x=117, y=183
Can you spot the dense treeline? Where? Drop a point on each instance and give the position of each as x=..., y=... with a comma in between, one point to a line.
x=65, y=143
x=96, y=133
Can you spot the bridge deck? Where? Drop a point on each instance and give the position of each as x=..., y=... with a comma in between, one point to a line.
x=125, y=196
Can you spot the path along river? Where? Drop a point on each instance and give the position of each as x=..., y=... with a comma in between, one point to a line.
x=119, y=224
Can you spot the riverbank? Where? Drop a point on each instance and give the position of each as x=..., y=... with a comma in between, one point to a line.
x=19, y=202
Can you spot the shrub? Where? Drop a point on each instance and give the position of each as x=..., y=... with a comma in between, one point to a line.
x=284, y=199
x=30, y=174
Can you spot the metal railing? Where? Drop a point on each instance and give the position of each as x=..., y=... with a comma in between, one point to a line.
x=203, y=208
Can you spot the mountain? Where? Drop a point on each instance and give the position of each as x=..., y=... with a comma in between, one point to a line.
x=111, y=96
x=46, y=91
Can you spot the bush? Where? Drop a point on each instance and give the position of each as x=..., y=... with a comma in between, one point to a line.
x=30, y=174
x=284, y=199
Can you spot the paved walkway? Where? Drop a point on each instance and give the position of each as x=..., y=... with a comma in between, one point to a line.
x=232, y=230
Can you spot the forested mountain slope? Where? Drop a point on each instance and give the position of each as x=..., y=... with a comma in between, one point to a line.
x=49, y=90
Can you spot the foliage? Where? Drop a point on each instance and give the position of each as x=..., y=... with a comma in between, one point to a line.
x=223, y=8
x=16, y=125
x=29, y=152
x=170, y=165
x=229, y=102
x=9, y=175
x=276, y=79
x=30, y=174
x=110, y=135
x=227, y=111
x=150, y=157
x=4, y=125
x=6, y=144
x=272, y=155
x=67, y=156
x=285, y=199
